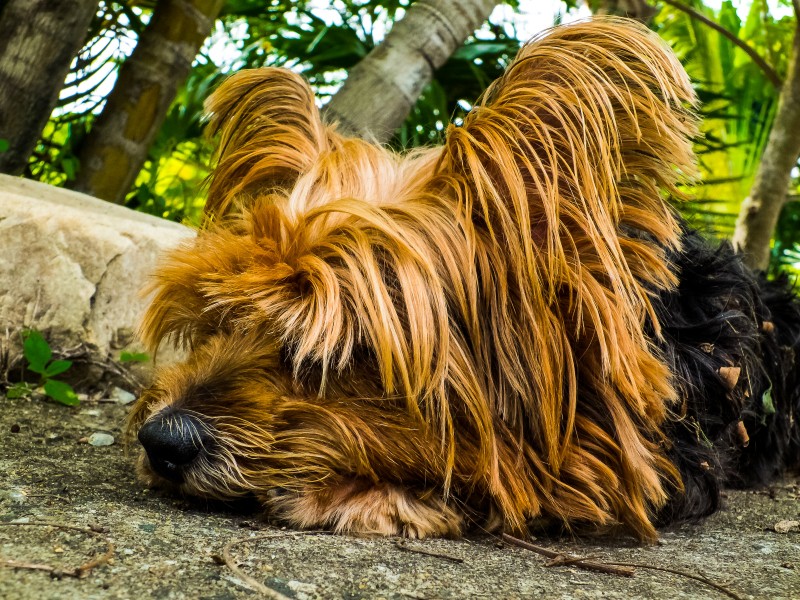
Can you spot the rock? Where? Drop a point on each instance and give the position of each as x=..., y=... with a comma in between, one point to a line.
x=786, y=526
x=73, y=266
x=15, y=495
x=100, y=438
x=121, y=396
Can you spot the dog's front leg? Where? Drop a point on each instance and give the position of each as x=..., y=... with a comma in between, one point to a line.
x=343, y=467
x=358, y=506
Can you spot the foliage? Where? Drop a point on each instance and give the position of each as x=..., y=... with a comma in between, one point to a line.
x=324, y=45
x=325, y=39
x=323, y=42
x=738, y=105
x=111, y=37
x=127, y=357
x=39, y=356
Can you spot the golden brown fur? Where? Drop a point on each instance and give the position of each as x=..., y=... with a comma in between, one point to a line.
x=394, y=343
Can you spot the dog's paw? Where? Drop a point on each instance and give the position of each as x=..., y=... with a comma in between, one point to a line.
x=356, y=507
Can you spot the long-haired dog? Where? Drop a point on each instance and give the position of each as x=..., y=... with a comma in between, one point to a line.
x=514, y=328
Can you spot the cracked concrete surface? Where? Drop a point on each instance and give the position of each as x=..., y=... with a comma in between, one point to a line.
x=166, y=547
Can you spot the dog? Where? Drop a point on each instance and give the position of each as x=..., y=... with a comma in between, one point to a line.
x=515, y=329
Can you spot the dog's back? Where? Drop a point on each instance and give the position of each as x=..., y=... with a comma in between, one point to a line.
x=733, y=340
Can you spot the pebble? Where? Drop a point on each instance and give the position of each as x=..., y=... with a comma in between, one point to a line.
x=15, y=495
x=786, y=526
x=100, y=438
x=121, y=396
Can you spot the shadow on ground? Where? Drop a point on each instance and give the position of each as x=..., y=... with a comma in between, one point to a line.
x=167, y=548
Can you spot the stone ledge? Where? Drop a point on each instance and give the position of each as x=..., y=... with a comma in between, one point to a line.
x=73, y=266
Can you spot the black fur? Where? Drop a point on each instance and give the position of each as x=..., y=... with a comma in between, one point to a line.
x=724, y=315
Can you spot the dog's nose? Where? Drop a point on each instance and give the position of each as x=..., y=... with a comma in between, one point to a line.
x=172, y=442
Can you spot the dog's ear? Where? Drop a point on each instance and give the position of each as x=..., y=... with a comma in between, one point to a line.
x=269, y=132
x=591, y=119
x=565, y=165
x=178, y=310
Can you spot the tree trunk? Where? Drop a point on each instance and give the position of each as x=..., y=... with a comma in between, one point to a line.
x=38, y=40
x=381, y=89
x=635, y=9
x=116, y=147
x=759, y=213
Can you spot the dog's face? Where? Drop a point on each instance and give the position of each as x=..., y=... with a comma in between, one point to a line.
x=371, y=335
x=204, y=422
x=320, y=293
x=276, y=309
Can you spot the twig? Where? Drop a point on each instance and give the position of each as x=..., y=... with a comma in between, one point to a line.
x=403, y=545
x=227, y=559
x=771, y=74
x=562, y=560
x=615, y=568
x=79, y=571
x=81, y=353
x=110, y=365
x=686, y=574
x=578, y=562
x=16, y=564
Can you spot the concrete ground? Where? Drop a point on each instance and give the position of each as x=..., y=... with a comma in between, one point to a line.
x=168, y=548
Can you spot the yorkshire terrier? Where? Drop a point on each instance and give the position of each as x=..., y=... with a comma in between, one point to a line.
x=513, y=329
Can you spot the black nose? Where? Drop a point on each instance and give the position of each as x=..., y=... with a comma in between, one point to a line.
x=172, y=442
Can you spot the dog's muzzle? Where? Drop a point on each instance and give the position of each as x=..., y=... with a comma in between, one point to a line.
x=173, y=442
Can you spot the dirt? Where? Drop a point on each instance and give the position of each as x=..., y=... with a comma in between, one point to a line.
x=168, y=547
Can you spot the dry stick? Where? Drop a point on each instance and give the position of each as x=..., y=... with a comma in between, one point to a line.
x=578, y=562
x=562, y=560
x=403, y=545
x=624, y=568
x=80, y=571
x=80, y=353
x=686, y=574
x=251, y=581
x=771, y=74
x=16, y=564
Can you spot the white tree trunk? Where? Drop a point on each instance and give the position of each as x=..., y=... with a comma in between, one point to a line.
x=381, y=89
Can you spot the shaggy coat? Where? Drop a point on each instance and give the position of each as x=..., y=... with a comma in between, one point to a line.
x=514, y=328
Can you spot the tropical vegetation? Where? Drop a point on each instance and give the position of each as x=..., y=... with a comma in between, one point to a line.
x=325, y=39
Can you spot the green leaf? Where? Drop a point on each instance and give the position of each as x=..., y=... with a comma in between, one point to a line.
x=4, y=145
x=471, y=51
x=767, y=403
x=61, y=392
x=18, y=390
x=133, y=357
x=37, y=351
x=70, y=167
x=57, y=367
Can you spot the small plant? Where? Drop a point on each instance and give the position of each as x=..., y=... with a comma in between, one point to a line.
x=127, y=357
x=40, y=360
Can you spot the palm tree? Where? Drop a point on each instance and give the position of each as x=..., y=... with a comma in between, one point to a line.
x=116, y=147
x=38, y=41
x=381, y=89
x=759, y=213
